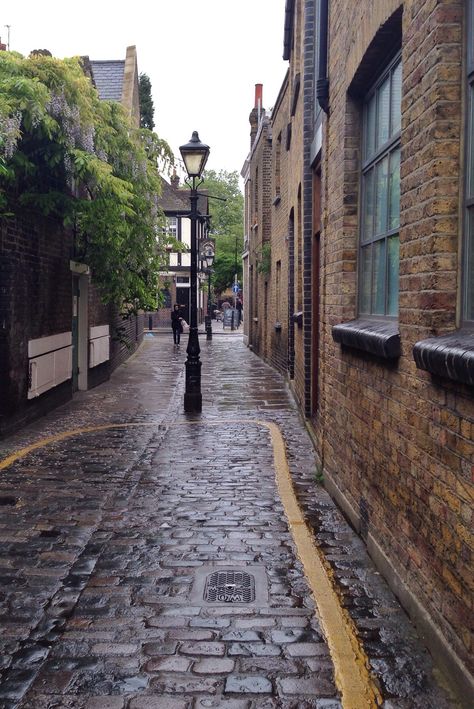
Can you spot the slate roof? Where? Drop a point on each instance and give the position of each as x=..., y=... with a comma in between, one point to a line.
x=171, y=200
x=108, y=78
x=177, y=200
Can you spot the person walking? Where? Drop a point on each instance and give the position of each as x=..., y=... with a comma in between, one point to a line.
x=238, y=306
x=176, y=324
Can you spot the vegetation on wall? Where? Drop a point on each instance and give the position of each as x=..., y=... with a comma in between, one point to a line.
x=227, y=226
x=264, y=261
x=71, y=156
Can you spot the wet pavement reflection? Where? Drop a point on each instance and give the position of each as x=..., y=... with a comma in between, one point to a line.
x=105, y=537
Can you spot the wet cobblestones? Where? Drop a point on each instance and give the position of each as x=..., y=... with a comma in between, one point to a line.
x=103, y=537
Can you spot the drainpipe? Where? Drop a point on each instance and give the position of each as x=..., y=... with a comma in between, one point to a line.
x=322, y=82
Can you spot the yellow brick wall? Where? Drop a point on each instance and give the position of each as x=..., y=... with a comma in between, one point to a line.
x=397, y=442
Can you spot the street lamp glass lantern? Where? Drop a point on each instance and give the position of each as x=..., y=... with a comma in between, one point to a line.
x=194, y=155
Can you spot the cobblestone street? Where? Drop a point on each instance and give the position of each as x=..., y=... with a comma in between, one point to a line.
x=110, y=540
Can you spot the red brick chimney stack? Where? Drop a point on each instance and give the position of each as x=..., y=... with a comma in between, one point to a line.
x=174, y=180
x=256, y=112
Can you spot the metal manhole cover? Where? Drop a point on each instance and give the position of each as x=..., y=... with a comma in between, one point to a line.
x=229, y=587
x=240, y=584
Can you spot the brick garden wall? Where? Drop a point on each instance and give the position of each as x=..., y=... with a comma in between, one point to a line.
x=132, y=336
x=125, y=336
x=398, y=444
x=35, y=301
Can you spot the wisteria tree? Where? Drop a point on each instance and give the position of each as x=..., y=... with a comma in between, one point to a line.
x=70, y=155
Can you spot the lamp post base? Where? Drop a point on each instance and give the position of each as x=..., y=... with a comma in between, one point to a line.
x=193, y=403
x=192, y=393
x=207, y=320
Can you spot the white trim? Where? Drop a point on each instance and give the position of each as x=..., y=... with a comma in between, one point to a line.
x=81, y=268
x=99, y=345
x=41, y=346
x=83, y=353
x=49, y=370
x=99, y=331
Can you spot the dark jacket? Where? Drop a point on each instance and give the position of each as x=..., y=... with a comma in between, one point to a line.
x=176, y=320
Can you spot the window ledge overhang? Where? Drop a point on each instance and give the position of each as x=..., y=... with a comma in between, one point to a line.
x=378, y=337
x=450, y=356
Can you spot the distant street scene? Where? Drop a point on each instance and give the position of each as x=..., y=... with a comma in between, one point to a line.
x=237, y=355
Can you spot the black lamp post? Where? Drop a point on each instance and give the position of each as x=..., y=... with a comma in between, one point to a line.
x=209, y=313
x=207, y=257
x=195, y=156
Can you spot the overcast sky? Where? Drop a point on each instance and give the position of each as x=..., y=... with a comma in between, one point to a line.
x=203, y=58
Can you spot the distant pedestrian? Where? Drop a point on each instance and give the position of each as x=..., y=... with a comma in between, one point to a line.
x=176, y=324
x=225, y=305
x=239, y=306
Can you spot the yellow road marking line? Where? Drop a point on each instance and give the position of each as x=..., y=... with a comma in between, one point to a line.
x=353, y=679
x=61, y=437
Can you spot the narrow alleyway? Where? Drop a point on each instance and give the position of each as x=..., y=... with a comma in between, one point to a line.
x=147, y=561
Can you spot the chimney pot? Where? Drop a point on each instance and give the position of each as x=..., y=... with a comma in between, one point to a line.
x=174, y=180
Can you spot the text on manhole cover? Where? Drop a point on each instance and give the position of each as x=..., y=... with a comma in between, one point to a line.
x=230, y=587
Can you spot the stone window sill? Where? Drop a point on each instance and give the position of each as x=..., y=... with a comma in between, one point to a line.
x=450, y=356
x=378, y=337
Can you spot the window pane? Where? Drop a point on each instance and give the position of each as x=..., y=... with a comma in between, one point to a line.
x=378, y=295
x=383, y=115
x=393, y=280
x=370, y=127
x=394, y=191
x=368, y=212
x=366, y=279
x=470, y=266
x=382, y=196
x=395, y=109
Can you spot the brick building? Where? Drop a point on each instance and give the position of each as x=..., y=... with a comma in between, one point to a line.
x=56, y=336
x=379, y=263
x=278, y=323
x=257, y=224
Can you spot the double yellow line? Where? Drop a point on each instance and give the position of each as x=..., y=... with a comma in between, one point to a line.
x=352, y=676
